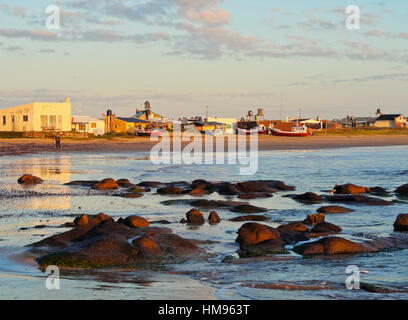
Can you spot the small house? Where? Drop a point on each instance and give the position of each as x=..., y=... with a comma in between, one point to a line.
x=391, y=121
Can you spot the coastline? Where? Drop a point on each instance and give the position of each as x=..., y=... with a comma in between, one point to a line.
x=10, y=147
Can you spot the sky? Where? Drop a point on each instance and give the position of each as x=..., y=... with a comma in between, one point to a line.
x=289, y=57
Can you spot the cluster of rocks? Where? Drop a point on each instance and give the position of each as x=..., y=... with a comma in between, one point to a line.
x=99, y=241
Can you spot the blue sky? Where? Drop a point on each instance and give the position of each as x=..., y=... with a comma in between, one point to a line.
x=232, y=55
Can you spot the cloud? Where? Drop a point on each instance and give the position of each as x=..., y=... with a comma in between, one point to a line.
x=46, y=51
x=203, y=11
x=16, y=11
x=29, y=34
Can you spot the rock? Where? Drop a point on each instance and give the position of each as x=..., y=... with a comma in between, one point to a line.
x=247, y=208
x=82, y=183
x=124, y=183
x=29, y=179
x=255, y=186
x=81, y=221
x=138, y=189
x=278, y=185
x=160, y=222
x=198, y=192
x=228, y=189
x=202, y=184
x=195, y=217
x=109, y=245
x=359, y=199
x=172, y=190
x=131, y=195
x=331, y=246
x=293, y=226
x=333, y=209
x=249, y=218
x=146, y=246
x=151, y=184
x=350, y=189
x=183, y=221
x=325, y=227
x=254, y=233
x=402, y=190
x=101, y=218
x=136, y=222
x=379, y=191
x=254, y=195
x=106, y=184
x=309, y=198
x=312, y=219
x=204, y=203
x=401, y=223
x=214, y=217
x=271, y=246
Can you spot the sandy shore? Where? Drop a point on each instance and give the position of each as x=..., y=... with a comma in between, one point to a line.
x=27, y=146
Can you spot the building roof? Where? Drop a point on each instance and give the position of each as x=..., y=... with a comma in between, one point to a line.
x=84, y=119
x=142, y=112
x=133, y=120
x=390, y=117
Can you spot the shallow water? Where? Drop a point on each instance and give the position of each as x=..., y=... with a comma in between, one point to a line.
x=52, y=204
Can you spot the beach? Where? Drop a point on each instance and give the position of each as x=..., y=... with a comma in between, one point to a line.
x=29, y=146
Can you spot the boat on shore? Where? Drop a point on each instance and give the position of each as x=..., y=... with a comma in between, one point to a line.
x=295, y=132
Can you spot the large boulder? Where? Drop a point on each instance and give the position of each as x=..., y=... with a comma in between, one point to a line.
x=308, y=198
x=359, y=199
x=331, y=246
x=254, y=195
x=402, y=190
x=115, y=245
x=401, y=223
x=255, y=186
x=124, y=183
x=293, y=226
x=195, y=217
x=171, y=190
x=136, y=222
x=325, y=227
x=333, y=209
x=228, y=189
x=202, y=184
x=249, y=218
x=106, y=184
x=350, y=188
x=29, y=179
x=254, y=233
x=84, y=220
x=247, y=208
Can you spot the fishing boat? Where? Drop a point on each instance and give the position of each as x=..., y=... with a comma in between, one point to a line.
x=297, y=131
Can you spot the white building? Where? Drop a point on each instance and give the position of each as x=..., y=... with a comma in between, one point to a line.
x=231, y=123
x=37, y=116
x=391, y=121
x=87, y=124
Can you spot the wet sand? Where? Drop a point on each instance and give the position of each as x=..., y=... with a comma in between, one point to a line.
x=27, y=146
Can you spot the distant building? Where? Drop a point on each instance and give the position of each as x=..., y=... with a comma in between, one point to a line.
x=391, y=121
x=230, y=123
x=37, y=117
x=123, y=125
x=85, y=124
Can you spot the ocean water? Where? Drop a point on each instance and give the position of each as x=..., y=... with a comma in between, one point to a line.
x=29, y=215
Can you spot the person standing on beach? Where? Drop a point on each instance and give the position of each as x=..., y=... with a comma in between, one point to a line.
x=58, y=141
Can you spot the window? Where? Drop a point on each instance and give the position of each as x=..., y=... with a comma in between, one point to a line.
x=4, y=120
x=59, y=122
x=93, y=125
x=44, y=122
x=81, y=127
x=25, y=118
x=53, y=122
